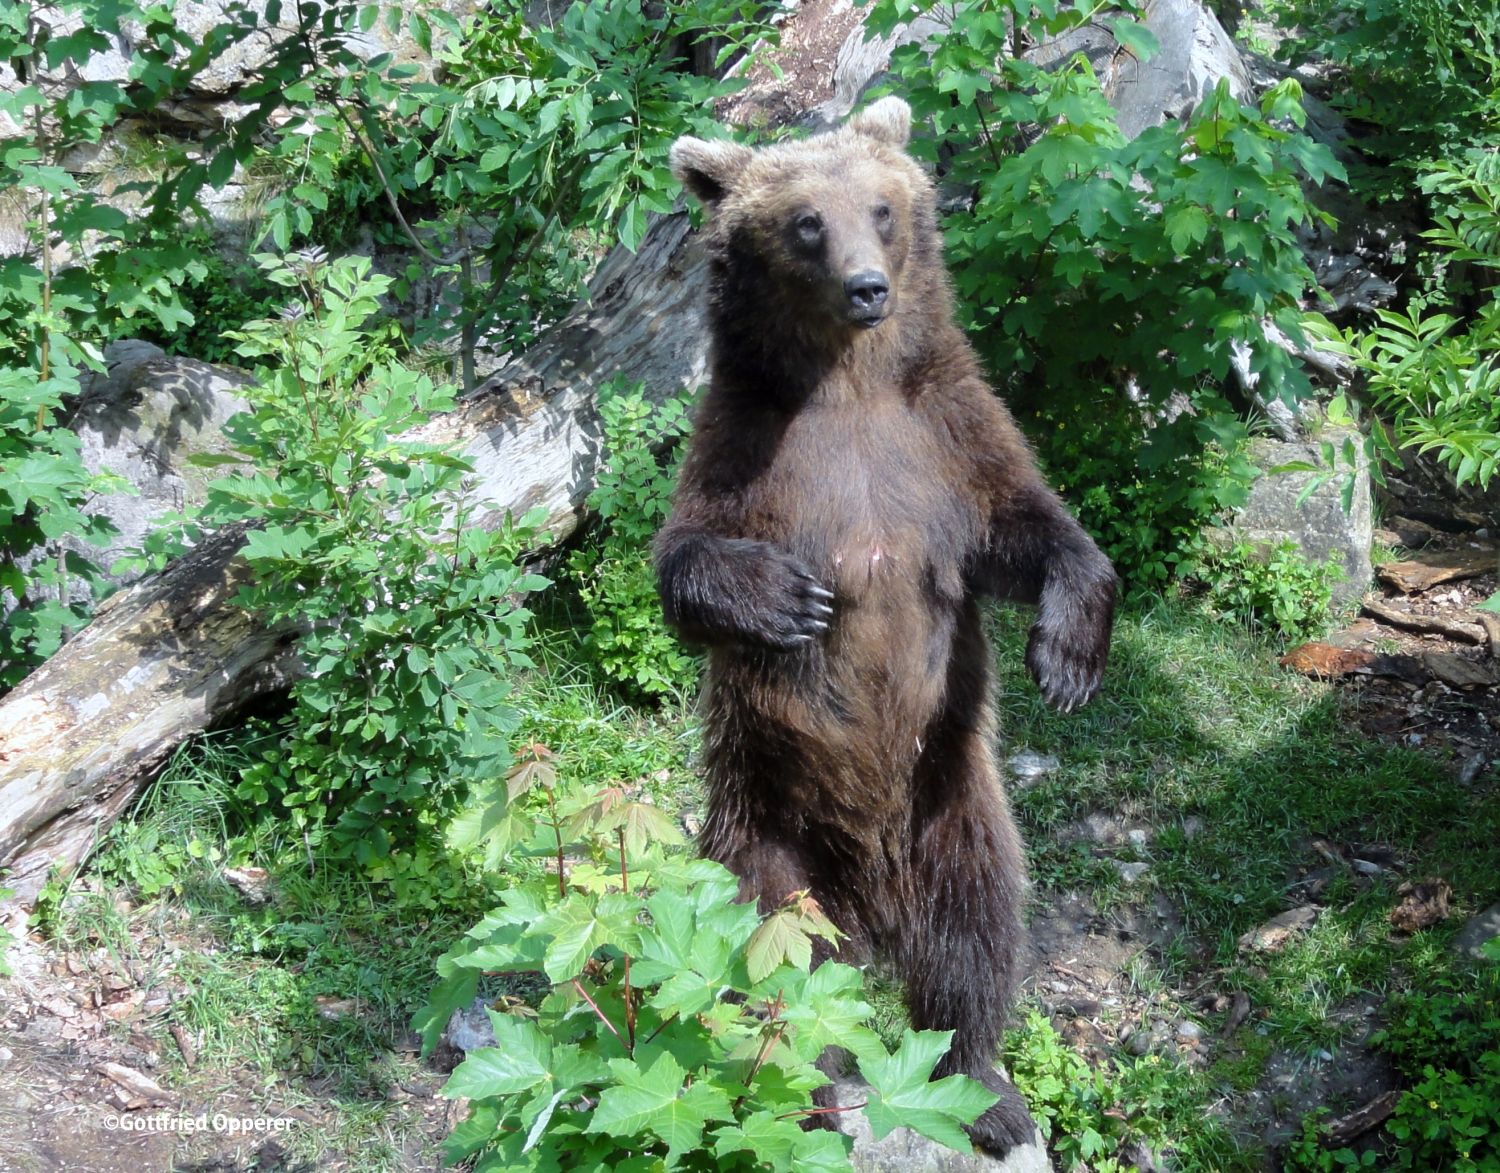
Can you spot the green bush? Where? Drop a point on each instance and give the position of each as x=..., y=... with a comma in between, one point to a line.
x=1145, y=503
x=1107, y=283
x=1445, y=1044
x=513, y=167
x=90, y=273
x=627, y=637
x=1420, y=79
x=1274, y=588
x=370, y=546
x=680, y=1029
x=1093, y=1118
x=1435, y=375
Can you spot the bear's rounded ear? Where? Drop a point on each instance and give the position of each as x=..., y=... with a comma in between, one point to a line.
x=708, y=169
x=888, y=120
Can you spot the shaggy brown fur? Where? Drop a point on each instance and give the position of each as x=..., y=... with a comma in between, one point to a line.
x=851, y=485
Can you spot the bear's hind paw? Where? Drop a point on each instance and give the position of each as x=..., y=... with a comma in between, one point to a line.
x=1006, y=1125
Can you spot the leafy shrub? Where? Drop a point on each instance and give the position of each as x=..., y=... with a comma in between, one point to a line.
x=228, y=292
x=1446, y=1043
x=1436, y=375
x=1094, y=1118
x=88, y=273
x=1419, y=78
x=1144, y=502
x=512, y=167
x=628, y=639
x=371, y=546
x=46, y=590
x=680, y=1029
x=1270, y=587
x=1112, y=280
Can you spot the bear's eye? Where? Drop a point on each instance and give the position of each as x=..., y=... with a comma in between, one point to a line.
x=809, y=228
x=882, y=214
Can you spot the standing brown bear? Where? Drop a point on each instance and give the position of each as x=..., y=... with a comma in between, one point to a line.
x=851, y=487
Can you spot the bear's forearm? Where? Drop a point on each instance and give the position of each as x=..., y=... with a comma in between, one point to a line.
x=717, y=590
x=1034, y=543
x=1038, y=553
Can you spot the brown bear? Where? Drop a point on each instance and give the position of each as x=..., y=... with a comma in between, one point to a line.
x=851, y=487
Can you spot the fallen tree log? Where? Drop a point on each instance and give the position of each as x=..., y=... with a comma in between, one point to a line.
x=172, y=655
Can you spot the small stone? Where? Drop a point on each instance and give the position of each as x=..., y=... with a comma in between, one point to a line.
x=1028, y=767
x=1138, y=838
x=6, y=1055
x=1189, y=1031
x=1471, y=769
x=254, y=884
x=1139, y=1043
x=1192, y=827
x=1275, y=933
x=469, y=1027
x=904, y=1151
x=1132, y=872
x=1478, y=930
x=1325, y=1056
x=59, y=1007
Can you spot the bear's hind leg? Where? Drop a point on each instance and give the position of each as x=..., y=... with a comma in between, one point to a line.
x=963, y=941
x=770, y=868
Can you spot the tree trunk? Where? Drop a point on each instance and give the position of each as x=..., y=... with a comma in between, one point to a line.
x=172, y=655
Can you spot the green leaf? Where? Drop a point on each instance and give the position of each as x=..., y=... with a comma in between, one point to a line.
x=903, y=1093
x=517, y=1062
x=655, y=1101
x=1135, y=38
x=576, y=932
x=778, y=939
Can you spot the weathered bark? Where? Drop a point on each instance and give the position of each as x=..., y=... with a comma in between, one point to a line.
x=172, y=655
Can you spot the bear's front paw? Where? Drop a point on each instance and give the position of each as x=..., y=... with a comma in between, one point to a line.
x=1067, y=665
x=790, y=608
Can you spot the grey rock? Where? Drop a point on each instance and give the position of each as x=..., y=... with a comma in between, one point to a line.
x=141, y=420
x=1189, y=1031
x=1026, y=766
x=469, y=1027
x=1132, y=873
x=904, y=1151
x=1195, y=53
x=1480, y=928
x=1319, y=525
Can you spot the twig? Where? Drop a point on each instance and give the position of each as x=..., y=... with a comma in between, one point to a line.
x=629, y=1005
x=823, y=1111
x=660, y=1026
x=185, y=1045
x=604, y=1018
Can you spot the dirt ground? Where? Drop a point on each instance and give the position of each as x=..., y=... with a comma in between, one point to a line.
x=81, y=1047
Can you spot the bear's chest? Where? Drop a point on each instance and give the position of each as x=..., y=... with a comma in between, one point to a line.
x=865, y=494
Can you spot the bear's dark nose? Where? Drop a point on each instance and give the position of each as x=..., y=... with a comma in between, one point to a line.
x=867, y=292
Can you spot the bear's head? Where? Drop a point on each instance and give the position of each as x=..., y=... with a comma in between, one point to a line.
x=833, y=233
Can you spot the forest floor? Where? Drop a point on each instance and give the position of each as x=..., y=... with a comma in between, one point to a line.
x=1221, y=850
